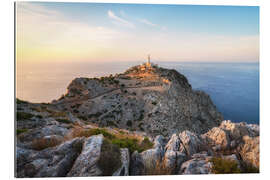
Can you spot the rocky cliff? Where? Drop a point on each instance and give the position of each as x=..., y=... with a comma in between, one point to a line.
x=154, y=100
x=145, y=121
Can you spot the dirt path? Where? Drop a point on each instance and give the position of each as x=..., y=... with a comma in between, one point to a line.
x=155, y=87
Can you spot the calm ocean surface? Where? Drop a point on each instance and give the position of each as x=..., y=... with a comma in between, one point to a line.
x=233, y=87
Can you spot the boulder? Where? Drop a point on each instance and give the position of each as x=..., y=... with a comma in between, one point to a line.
x=136, y=164
x=190, y=143
x=217, y=137
x=174, y=143
x=124, y=169
x=173, y=160
x=50, y=162
x=199, y=164
x=86, y=164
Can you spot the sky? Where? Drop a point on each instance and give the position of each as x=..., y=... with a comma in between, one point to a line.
x=75, y=32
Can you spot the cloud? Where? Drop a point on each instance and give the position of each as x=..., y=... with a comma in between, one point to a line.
x=145, y=21
x=120, y=20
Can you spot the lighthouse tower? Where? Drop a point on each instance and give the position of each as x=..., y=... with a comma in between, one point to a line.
x=148, y=64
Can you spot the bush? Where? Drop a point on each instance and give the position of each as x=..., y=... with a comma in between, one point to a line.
x=91, y=132
x=23, y=116
x=224, y=166
x=63, y=121
x=249, y=168
x=110, y=158
x=83, y=118
x=18, y=101
x=154, y=103
x=146, y=143
x=58, y=114
x=20, y=131
x=131, y=144
x=129, y=123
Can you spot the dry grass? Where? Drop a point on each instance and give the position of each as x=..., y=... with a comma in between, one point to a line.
x=122, y=140
x=153, y=167
x=43, y=143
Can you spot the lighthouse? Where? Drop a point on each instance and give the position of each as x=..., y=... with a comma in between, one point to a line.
x=148, y=64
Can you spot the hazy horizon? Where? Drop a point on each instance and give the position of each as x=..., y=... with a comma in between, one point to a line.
x=101, y=32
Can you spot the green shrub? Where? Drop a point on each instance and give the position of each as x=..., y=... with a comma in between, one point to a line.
x=249, y=168
x=111, y=123
x=129, y=123
x=110, y=156
x=58, y=114
x=91, y=132
x=122, y=85
x=19, y=131
x=131, y=144
x=63, y=121
x=154, y=103
x=23, y=116
x=95, y=115
x=83, y=118
x=18, y=101
x=224, y=166
x=146, y=143
x=39, y=116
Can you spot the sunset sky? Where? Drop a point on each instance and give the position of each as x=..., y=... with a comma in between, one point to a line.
x=69, y=32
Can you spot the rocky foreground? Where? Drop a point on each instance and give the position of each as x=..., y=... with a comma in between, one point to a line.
x=146, y=121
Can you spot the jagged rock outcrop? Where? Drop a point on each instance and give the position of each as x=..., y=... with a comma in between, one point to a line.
x=50, y=162
x=124, y=169
x=198, y=164
x=86, y=164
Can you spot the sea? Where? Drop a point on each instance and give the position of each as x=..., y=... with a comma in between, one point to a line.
x=233, y=87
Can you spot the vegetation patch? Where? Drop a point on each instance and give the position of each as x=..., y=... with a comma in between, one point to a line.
x=111, y=123
x=58, y=114
x=110, y=156
x=18, y=101
x=20, y=131
x=83, y=118
x=249, y=168
x=96, y=115
x=43, y=143
x=90, y=132
x=122, y=141
x=129, y=123
x=63, y=121
x=154, y=103
x=23, y=116
x=224, y=166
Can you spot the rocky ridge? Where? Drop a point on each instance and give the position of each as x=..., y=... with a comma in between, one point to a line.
x=154, y=100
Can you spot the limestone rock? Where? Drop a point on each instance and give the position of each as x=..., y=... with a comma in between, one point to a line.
x=250, y=150
x=190, y=143
x=199, y=164
x=124, y=169
x=86, y=164
x=50, y=162
x=217, y=137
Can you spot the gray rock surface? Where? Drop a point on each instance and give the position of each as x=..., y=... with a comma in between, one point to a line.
x=86, y=164
x=50, y=162
x=124, y=169
x=199, y=164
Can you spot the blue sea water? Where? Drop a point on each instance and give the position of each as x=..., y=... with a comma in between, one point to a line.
x=233, y=87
